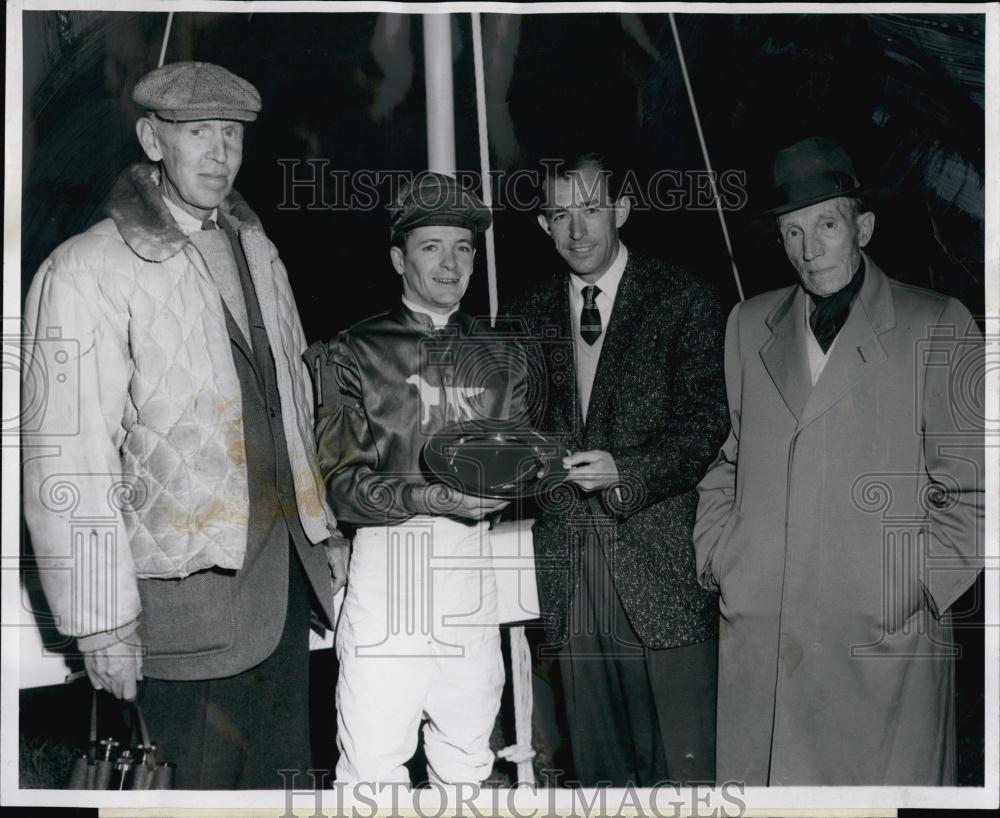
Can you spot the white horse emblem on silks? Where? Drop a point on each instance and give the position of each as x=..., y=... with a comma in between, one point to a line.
x=454, y=400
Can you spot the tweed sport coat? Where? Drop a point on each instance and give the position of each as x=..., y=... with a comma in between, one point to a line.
x=658, y=405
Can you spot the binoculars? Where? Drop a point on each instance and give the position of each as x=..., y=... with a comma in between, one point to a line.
x=105, y=767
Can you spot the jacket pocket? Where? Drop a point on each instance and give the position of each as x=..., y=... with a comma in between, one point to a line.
x=188, y=617
x=722, y=548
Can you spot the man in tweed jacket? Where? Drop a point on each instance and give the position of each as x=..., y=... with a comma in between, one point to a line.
x=633, y=386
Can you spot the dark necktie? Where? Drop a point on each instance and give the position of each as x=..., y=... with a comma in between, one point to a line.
x=590, y=316
x=209, y=224
x=831, y=311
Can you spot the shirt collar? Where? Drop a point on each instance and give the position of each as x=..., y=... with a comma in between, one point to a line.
x=185, y=221
x=436, y=318
x=611, y=279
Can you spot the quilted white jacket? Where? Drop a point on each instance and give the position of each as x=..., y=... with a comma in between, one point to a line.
x=134, y=460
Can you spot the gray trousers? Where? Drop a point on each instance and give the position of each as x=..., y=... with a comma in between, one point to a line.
x=237, y=732
x=636, y=715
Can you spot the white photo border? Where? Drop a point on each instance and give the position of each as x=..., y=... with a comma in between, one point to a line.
x=522, y=802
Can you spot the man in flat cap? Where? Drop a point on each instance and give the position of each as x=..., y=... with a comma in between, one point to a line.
x=843, y=516
x=418, y=635
x=206, y=538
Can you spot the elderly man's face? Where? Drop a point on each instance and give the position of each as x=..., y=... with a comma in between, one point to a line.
x=823, y=242
x=200, y=159
x=583, y=222
x=436, y=266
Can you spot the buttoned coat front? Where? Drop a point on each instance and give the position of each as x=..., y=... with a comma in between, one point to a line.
x=839, y=522
x=658, y=407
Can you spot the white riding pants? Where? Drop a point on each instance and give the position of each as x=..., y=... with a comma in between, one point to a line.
x=418, y=638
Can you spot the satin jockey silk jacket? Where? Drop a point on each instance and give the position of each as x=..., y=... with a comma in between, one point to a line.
x=385, y=386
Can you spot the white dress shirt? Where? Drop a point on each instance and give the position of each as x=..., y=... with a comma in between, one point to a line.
x=588, y=355
x=817, y=357
x=185, y=221
x=438, y=319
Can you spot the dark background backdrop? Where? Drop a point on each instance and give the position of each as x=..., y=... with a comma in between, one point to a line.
x=903, y=93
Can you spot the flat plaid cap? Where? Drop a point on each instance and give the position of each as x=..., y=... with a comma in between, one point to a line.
x=185, y=91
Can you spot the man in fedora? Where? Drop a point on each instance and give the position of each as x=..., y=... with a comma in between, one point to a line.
x=194, y=548
x=843, y=516
x=418, y=637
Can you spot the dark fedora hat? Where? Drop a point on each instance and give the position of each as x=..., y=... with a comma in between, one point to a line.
x=809, y=172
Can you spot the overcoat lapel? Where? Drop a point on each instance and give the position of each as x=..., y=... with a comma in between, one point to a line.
x=858, y=350
x=785, y=356
x=856, y=353
x=627, y=316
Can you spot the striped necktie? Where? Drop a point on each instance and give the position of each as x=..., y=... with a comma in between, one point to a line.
x=590, y=316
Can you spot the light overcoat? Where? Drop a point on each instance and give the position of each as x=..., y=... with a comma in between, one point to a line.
x=840, y=522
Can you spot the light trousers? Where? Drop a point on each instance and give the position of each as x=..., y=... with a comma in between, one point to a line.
x=418, y=638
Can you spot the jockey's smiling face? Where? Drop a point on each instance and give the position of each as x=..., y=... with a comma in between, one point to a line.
x=436, y=265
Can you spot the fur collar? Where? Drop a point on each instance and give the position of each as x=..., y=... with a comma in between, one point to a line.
x=145, y=223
